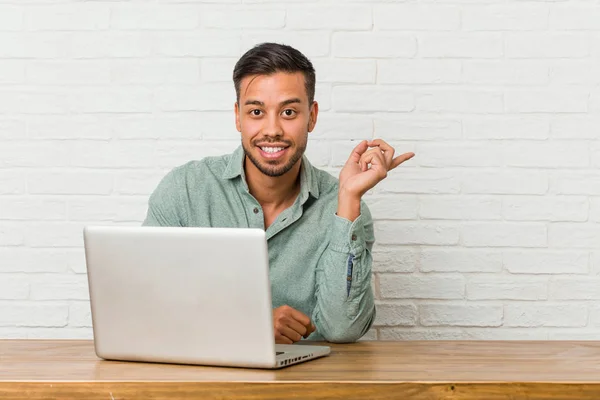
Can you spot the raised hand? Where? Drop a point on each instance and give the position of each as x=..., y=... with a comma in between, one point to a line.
x=368, y=165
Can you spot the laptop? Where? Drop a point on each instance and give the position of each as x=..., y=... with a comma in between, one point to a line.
x=186, y=296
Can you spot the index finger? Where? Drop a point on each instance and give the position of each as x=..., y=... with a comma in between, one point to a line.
x=380, y=143
x=387, y=150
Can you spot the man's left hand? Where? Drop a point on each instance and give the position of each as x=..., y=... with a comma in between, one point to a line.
x=368, y=165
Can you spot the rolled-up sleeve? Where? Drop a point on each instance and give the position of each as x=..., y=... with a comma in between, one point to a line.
x=345, y=306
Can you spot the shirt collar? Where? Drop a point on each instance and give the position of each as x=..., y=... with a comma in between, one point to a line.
x=235, y=167
x=308, y=175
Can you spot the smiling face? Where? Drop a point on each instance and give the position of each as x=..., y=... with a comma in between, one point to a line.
x=274, y=118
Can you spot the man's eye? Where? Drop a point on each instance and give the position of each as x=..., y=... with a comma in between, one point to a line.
x=289, y=113
x=255, y=112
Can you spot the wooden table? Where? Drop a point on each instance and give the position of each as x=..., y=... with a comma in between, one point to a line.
x=37, y=369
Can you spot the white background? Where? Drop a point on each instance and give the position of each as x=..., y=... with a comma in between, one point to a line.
x=491, y=232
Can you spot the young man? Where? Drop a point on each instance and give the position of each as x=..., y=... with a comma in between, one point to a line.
x=319, y=232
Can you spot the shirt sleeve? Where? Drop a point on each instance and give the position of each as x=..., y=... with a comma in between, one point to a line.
x=164, y=205
x=345, y=305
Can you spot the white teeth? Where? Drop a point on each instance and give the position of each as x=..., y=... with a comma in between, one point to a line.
x=271, y=149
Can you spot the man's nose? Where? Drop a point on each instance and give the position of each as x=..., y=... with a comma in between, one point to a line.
x=273, y=127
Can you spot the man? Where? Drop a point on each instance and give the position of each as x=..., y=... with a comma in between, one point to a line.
x=319, y=232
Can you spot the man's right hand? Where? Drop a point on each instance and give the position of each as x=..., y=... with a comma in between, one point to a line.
x=291, y=325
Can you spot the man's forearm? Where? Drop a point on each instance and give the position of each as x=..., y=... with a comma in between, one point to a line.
x=342, y=316
x=345, y=303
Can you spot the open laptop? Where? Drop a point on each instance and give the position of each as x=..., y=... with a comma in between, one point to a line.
x=185, y=295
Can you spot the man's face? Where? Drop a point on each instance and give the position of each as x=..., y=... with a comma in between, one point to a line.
x=274, y=118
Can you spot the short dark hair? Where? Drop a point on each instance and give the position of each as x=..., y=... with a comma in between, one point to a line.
x=269, y=58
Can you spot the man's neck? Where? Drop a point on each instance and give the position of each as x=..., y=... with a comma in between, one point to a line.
x=273, y=192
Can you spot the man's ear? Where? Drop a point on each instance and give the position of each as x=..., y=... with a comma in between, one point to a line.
x=314, y=112
x=238, y=126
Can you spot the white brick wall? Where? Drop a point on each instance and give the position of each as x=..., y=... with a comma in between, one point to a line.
x=491, y=232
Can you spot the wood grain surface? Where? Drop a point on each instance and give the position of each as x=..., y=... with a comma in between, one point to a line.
x=38, y=369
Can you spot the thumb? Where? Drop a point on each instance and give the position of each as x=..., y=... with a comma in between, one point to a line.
x=358, y=151
x=310, y=329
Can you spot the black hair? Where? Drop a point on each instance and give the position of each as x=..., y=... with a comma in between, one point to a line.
x=269, y=58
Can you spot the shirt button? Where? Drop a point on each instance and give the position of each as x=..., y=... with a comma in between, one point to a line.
x=353, y=237
x=255, y=210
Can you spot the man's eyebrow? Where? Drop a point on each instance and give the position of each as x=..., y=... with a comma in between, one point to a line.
x=290, y=101
x=254, y=103
x=283, y=103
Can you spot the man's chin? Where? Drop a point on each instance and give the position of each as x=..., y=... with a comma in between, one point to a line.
x=274, y=163
x=273, y=172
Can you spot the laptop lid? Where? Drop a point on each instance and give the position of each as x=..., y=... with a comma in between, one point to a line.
x=183, y=295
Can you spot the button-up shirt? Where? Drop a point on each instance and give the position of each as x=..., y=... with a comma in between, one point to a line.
x=319, y=263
